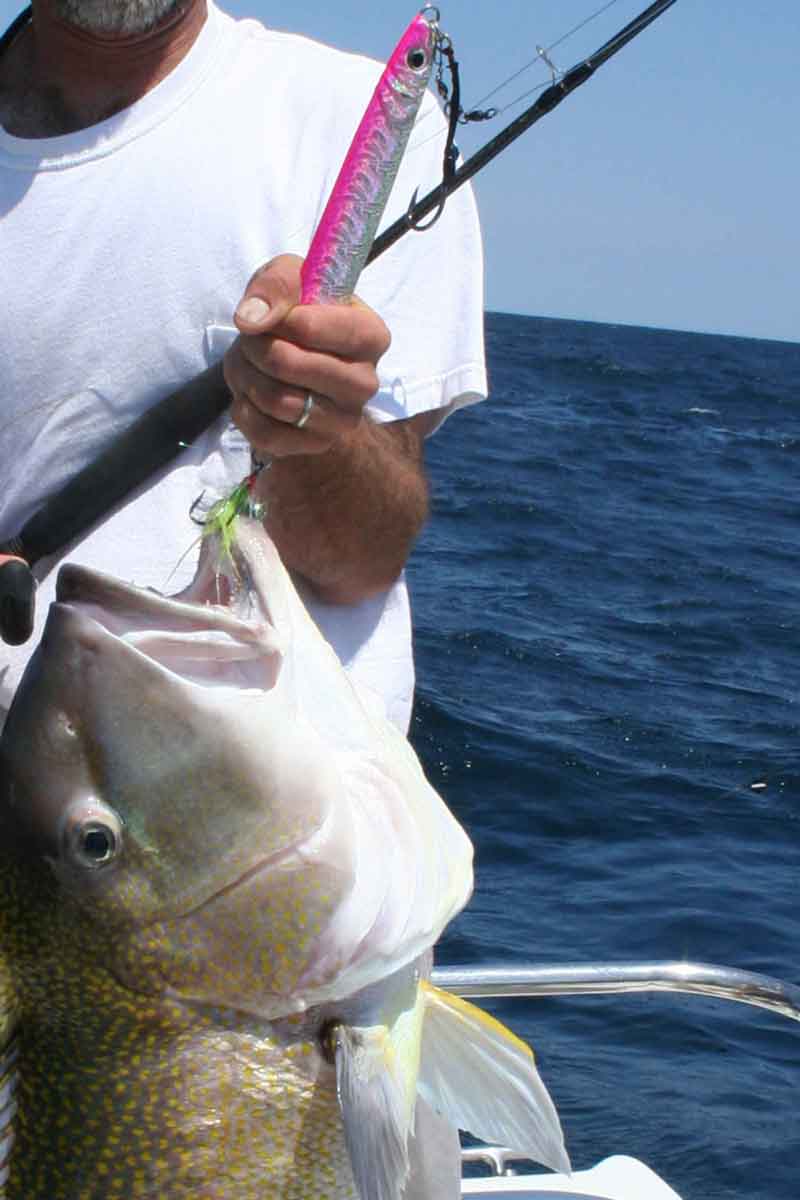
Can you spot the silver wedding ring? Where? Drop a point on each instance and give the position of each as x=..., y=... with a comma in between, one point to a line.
x=306, y=413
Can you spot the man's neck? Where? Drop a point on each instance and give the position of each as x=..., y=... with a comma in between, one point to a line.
x=57, y=78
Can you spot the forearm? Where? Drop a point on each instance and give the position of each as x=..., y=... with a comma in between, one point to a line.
x=346, y=520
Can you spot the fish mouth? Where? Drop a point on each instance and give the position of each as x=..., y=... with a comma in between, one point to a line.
x=211, y=633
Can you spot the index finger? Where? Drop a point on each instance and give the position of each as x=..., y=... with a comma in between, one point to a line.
x=350, y=330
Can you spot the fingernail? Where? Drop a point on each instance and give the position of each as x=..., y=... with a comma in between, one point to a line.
x=253, y=310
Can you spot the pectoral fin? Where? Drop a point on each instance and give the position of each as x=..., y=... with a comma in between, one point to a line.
x=483, y=1079
x=435, y=1157
x=376, y=1098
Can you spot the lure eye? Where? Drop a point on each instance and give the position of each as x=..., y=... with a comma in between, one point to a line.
x=416, y=60
x=92, y=836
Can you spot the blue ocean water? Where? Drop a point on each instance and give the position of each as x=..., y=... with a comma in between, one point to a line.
x=607, y=613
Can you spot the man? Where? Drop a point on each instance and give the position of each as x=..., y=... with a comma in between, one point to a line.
x=152, y=152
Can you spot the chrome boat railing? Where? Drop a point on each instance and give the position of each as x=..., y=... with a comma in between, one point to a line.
x=601, y=979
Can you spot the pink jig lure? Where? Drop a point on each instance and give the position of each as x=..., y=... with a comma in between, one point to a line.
x=348, y=225
x=346, y=230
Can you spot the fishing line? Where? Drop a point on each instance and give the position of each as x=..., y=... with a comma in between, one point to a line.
x=498, y=112
x=542, y=54
x=586, y=21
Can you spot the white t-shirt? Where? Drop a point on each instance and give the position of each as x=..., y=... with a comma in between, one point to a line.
x=125, y=248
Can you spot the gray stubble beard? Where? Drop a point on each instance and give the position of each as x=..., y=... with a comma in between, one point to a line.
x=116, y=16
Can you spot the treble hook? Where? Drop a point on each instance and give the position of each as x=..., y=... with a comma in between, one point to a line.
x=420, y=226
x=194, y=508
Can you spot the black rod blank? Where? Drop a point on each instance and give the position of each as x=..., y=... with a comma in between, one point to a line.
x=153, y=440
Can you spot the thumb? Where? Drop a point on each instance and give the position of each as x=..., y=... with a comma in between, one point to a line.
x=269, y=296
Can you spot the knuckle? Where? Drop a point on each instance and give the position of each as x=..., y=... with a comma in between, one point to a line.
x=254, y=349
x=383, y=339
x=232, y=364
x=229, y=374
x=242, y=410
x=366, y=385
x=283, y=360
x=259, y=429
x=304, y=322
x=370, y=329
x=289, y=405
x=240, y=415
x=278, y=280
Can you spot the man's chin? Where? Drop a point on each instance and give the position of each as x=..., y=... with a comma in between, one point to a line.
x=117, y=16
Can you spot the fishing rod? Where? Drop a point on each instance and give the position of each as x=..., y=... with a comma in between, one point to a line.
x=547, y=101
x=173, y=424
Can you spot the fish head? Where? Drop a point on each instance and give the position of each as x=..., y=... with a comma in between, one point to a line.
x=194, y=770
x=173, y=723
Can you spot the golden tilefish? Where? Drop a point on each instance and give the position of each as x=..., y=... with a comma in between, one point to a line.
x=222, y=872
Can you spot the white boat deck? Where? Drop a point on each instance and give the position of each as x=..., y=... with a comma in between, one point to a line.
x=615, y=1178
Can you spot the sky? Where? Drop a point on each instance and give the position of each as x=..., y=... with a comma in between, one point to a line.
x=664, y=192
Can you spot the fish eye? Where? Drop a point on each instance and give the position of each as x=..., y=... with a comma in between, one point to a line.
x=97, y=844
x=92, y=835
x=416, y=59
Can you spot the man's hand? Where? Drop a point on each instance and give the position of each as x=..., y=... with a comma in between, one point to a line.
x=287, y=351
x=345, y=496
